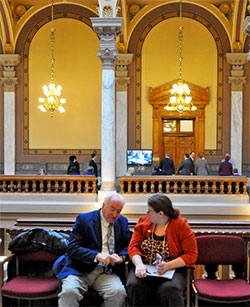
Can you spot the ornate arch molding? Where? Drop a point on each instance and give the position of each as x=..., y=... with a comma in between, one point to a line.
x=238, y=34
x=1, y=117
x=5, y=25
x=247, y=44
x=22, y=48
x=135, y=46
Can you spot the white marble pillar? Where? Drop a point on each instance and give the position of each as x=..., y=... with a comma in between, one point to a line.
x=9, y=82
x=236, y=129
x=108, y=130
x=106, y=29
x=237, y=81
x=122, y=81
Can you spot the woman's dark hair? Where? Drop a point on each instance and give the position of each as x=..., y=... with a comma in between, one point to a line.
x=93, y=154
x=72, y=158
x=160, y=202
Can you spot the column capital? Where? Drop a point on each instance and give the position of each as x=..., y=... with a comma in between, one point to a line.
x=9, y=80
x=107, y=29
x=122, y=80
x=121, y=84
x=237, y=61
x=9, y=59
x=237, y=83
x=9, y=84
x=124, y=59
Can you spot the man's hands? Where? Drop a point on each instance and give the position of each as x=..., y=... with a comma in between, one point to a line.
x=108, y=259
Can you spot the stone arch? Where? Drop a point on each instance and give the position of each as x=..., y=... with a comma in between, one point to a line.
x=135, y=46
x=22, y=47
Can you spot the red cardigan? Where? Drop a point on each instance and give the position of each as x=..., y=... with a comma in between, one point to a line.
x=180, y=238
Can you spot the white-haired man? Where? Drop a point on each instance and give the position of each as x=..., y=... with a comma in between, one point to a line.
x=99, y=239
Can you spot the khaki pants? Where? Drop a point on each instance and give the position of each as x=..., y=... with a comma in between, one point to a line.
x=109, y=286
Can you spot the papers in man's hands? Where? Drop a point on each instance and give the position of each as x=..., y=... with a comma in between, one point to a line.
x=153, y=272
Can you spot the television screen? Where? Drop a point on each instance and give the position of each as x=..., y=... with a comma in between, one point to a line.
x=139, y=157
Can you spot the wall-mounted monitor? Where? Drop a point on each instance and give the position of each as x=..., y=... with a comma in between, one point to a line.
x=139, y=157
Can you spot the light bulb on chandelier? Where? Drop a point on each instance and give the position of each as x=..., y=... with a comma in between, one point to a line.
x=180, y=99
x=52, y=93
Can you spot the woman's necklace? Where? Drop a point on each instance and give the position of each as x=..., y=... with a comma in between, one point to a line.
x=163, y=246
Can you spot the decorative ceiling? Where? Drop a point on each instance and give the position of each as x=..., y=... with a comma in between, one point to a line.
x=14, y=14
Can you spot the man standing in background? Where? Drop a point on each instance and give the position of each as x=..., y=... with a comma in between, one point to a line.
x=201, y=167
x=186, y=166
x=167, y=165
x=92, y=163
x=191, y=157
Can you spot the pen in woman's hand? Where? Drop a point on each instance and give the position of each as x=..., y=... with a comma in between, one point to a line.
x=158, y=259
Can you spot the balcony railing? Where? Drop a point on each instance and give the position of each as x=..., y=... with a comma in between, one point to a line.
x=47, y=184
x=184, y=184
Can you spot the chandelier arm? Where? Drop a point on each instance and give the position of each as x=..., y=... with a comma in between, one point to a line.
x=180, y=99
x=180, y=43
x=52, y=41
x=52, y=93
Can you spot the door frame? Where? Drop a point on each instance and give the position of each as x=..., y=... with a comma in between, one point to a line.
x=159, y=98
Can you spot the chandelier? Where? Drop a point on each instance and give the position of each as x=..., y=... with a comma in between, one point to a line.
x=52, y=93
x=180, y=99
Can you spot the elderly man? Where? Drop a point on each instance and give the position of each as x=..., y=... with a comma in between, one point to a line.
x=98, y=241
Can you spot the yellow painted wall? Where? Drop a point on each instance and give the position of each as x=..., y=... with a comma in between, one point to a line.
x=78, y=71
x=160, y=65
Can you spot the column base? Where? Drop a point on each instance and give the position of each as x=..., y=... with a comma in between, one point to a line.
x=107, y=188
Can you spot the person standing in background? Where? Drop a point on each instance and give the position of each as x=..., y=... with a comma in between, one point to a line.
x=191, y=157
x=226, y=168
x=74, y=167
x=92, y=163
x=230, y=160
x=201, y=167
x=186, y=166
x=167, y=165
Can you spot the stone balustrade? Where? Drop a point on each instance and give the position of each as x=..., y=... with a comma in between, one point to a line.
x=184, y=184
x=47, y=184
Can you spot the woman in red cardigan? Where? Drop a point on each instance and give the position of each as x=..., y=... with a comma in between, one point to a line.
x=161, y=231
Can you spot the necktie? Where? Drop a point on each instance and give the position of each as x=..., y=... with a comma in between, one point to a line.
x=111, y=239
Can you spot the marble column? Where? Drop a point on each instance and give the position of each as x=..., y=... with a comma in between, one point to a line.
x=107, y=29
x=122, y=81
x=237, y=81
x=9, y=82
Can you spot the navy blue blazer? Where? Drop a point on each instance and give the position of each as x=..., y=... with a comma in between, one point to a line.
x=85, y=243
x=167, y=166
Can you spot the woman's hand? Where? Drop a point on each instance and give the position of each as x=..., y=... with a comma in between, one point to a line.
x=162, y=267
x=141, y=270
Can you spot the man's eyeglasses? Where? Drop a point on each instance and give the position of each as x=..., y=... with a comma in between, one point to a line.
x=149, y=211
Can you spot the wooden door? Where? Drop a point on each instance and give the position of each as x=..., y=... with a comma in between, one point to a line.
x=178, y=137
x=177, y=146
